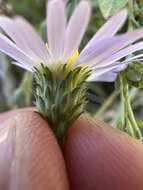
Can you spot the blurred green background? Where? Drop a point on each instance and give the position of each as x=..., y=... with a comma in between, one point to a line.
x=104, y=100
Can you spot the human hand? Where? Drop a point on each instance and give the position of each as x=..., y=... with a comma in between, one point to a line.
x=30, y=158
x=95, y=155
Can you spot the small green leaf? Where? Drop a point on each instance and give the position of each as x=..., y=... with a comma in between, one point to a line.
x=111, y=7
x=106, y=7
x=118, y=5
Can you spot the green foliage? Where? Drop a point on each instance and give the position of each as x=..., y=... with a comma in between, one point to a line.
x=118, y=5
x=110, y=7
x=106, y=7
x=138, y=12
x=32, y=10
x=70, y=6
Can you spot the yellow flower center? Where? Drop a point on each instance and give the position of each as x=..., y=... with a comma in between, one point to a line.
x=72, y=57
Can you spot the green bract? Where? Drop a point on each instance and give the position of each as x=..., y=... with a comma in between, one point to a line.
x=60, y=95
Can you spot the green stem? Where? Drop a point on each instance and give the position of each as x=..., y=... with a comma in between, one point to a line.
x=133, y=121
x=130, y=121
x=123, y=101
x=60, y=133
x=130, y=124
x=131, y=14
x=130, y=129
x=120, y=113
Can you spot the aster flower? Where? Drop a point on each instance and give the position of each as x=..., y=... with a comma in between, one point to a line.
x=60, y=70
x=101, y=54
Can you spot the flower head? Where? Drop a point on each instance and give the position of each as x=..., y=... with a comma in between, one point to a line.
x=60, y=70
x=101, y=54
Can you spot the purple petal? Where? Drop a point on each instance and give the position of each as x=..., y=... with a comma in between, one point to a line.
x=110, y=27
x=106, y=74
x=106, y=47
x=76, y=28
x=14, y=32
x=96, y=49
x=107, y=77
x=123, y=53
x=32, y=39
x=10, y=49
x=56, y=22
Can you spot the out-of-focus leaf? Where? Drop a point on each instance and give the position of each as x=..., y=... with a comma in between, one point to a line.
x=43, y=30
x=138, y=12
x=94, y=3
x=106, y=7
x=118, y=5
x=110, y=7
x=70, y=6
x=31, y=10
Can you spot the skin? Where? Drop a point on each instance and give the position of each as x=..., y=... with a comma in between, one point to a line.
x=96, y=157
x=99, y=157
x=30, y=157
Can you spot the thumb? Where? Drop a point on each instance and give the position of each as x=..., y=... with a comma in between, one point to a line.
x=30, y=157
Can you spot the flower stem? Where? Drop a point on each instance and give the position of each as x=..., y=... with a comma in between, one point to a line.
x=133, y=121
x=129, y=123
x=123, y=118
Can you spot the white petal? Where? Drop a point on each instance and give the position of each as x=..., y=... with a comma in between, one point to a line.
x=32, y=39
x=10, y=49
x=56, y=22
x=76, y=27
x=110, y=27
